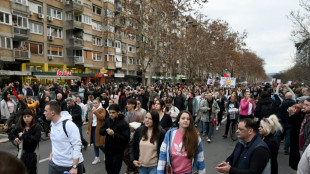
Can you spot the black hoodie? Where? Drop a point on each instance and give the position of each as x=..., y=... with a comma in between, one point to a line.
x=116, y=144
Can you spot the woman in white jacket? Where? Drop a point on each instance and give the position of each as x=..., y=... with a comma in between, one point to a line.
x=8, y=107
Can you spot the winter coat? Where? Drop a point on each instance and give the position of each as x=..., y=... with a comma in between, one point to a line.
x=76, y=113
x=205, y=115
x=5, y=114
x=244, y=107
x=134, y=148
x=100, y=114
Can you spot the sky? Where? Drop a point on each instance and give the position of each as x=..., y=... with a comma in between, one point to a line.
x=266, y=23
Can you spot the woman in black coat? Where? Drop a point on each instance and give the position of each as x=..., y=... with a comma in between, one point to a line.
x=148, y=137
x=268, y=126
x=30, y=133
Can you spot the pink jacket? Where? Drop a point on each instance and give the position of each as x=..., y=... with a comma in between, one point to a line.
x=244, y=107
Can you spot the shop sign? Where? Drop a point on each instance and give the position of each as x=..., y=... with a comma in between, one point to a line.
x=64, y=73
x=107, y=75
x=98, y=75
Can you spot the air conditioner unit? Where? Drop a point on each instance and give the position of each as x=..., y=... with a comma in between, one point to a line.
x=50, y=37
x=50, y=57
x=31, y=13
x=50, y=18
x=40, y=15
x=67, y=2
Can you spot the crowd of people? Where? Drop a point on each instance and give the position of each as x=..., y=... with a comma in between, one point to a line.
x=159, y=128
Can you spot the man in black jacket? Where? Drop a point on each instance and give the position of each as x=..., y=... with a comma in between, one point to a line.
x=265, y=107
x=76, y=112
x=62, y=102
x=117, y=135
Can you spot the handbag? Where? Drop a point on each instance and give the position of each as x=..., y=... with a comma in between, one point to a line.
x=168, y=164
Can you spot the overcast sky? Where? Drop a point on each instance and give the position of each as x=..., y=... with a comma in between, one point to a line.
x=267, y=26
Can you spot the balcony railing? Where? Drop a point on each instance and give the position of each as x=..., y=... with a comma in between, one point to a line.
x=110, y=65
x=19, y=7
x=21, y=54
x=74, y=6
x=74, y=24
x=76, y=42
x=21, y=33
x=78, y=60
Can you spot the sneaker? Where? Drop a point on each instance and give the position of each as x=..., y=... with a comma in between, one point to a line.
x=217, y=128
x=96, y=161
x=209, y=140
x=225, y=136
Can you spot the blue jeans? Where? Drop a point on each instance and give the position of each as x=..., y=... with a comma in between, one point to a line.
x=148, y=170
x=96, y=148
x=286, y=133
x=209, y=128
x=203, y=127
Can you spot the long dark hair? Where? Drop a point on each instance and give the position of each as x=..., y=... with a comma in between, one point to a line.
x=22, y=122
x=190, y=137
x=155, y=129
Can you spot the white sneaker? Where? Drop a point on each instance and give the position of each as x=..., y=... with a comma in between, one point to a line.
x=209, y=140
x=217, y=128
x=96, y=161
x=103, y=157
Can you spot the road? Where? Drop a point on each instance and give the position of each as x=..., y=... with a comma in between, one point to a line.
x=215, y=152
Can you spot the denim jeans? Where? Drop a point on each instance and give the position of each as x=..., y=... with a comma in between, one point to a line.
x=203, y=127
x=96, y=148
x=286, y=133
x=148, y=170
x=209, y=128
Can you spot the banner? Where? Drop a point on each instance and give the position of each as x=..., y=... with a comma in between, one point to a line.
x=210, y=82
x=228, y=82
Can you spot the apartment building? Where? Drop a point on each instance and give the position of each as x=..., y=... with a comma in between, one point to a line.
x=45, y=37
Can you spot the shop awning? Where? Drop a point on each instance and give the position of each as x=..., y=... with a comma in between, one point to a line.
x=58, y=77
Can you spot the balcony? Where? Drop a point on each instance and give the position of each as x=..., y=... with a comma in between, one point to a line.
x=19, y=7
x=72, y=24
x=21, y=54
x=20, y=34
x=73, y=6
x=109, y=65
x=78, y=60
x=76, y=42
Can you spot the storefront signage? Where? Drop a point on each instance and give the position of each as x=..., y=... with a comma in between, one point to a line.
x=98, y=75
x=64, y=73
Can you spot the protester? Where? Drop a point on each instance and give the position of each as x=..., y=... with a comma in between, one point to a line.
x=221, y=101
x=96, y=121
x=251, y=153
x=164, y=119
x=232, y=108
x=29, y=134
x=182, y=147
x=65, y=140
x=140, y=110
x=247, y=106
x=304, y=163
x=145, y=145
x=10, y=164
x=171, y=110
x=191, y=105
x=305, y=126
x=268, y=127
x=117, y=135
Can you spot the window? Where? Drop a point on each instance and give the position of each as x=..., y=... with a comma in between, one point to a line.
x=86, y=19
x=96, y=25
x=97, y=57
x=117, y=44
x=124, y=59
x=97, y=10
x=55, y=13
x=35, y=48
x=51, y=31
x=109, y=28
x=109, y=58
x=69, y=16
x=5, y=42
x=109, y=43
x=87, y=54
x=36, y=28
x=131, y=49
x=54, y=51
x=20, y=20
x=24, y=2
x=77, y=53
x=35, y=8
x=5, y=17
x=138, y=62
x=97, y=41
x=130, y=61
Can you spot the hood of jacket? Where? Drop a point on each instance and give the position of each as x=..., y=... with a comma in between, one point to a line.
x=65, y=115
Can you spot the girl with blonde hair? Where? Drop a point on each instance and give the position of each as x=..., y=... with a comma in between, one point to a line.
x=268, y=127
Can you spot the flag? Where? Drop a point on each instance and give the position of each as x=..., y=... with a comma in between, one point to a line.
x=225, y=75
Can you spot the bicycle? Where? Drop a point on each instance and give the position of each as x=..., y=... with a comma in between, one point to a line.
x=45, y=127
x=233, y=115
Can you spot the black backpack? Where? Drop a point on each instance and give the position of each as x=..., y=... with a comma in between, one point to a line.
x=266, y=110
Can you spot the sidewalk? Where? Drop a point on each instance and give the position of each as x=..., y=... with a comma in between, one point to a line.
x=3, y=135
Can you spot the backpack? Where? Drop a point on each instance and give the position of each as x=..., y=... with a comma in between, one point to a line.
x=266, y=110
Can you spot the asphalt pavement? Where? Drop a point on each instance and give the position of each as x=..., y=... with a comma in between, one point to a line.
x=215, y=152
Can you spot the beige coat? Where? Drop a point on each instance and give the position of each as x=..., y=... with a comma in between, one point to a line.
x=100, y=114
